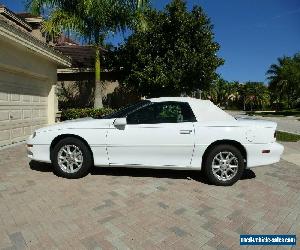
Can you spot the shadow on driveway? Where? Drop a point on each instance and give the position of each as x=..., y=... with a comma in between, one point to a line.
x=40, y=166
x=142, y=172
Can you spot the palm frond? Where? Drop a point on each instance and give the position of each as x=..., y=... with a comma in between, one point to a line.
x=36, y=6
x=60, y=21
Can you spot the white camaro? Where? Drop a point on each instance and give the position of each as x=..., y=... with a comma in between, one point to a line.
x=168, y=132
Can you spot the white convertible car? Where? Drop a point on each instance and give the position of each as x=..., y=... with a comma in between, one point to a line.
x=168, y=132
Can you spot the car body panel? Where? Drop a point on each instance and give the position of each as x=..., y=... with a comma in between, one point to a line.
x=157, y=145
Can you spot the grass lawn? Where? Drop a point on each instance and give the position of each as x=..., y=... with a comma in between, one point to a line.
x=284, y=136
x=292, y=112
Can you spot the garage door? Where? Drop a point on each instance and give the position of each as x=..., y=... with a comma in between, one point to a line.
x=23, y=106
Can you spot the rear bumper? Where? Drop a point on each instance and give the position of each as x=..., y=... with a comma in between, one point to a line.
x=256, y=157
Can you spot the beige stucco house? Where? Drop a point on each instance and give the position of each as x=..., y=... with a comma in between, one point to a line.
x=28, y=76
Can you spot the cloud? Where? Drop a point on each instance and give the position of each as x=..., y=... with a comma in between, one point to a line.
x=266, y=23
x=287, y=13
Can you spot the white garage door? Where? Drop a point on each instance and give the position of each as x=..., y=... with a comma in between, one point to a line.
x=23, y=106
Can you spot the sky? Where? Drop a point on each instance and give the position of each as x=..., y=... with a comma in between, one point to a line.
x=252, y=33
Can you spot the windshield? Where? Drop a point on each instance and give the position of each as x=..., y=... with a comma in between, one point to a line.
x=123, y=112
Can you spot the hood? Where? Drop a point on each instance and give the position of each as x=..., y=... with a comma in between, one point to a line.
x=82, y=123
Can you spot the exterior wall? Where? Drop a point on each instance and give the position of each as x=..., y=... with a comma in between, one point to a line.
x=28, y=77
x=52, y=103
x=38, y=34
x=83, y=96
x=25, y=60
x=26, y=64
x=109, y=87
x=27, y=92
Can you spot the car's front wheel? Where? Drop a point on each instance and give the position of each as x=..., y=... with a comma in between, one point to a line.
x=71, y=158
x=224, y=165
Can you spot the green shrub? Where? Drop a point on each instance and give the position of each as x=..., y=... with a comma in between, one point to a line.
x=70, y=114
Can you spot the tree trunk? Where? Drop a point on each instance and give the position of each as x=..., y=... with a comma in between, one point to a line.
x=139, y=4
x=98, y=86
x=289, y=100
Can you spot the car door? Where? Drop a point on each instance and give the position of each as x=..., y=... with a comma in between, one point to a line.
x=159, y=135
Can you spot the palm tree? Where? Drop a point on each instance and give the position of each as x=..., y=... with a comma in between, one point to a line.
x=222, y=92
x=140, y=20
x=256, y=94
x=243, y=95
x=233, y=92
x=277, y=84
x=284, y=79
x=93, y=20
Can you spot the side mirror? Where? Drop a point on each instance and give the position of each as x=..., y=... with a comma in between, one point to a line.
x=120, y=122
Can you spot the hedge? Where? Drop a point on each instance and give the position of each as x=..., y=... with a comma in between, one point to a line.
x=70, y=114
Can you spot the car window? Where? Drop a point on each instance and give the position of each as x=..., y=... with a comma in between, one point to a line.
x=127, y=110
x=162, y=112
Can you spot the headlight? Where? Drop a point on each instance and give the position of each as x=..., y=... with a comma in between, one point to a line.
x=34, y=134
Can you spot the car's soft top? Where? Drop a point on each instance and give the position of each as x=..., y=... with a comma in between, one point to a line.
x=204, y=110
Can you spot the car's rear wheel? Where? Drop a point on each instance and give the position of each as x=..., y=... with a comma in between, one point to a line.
x=224, y=165
x=71, y=158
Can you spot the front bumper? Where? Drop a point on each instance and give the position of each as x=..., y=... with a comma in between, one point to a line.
x=256, y=157
x=38, y=152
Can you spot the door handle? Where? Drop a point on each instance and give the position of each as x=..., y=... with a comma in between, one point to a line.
x=185, y=132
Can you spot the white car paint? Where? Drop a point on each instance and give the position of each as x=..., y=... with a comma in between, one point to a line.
x=163, y=145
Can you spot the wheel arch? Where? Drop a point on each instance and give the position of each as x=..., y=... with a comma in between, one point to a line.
x=58, y=138
x=234, y=143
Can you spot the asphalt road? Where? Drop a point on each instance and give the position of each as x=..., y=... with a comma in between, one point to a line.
x=287, y=124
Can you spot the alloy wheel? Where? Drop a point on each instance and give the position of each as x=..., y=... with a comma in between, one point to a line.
x=225, y=166
x=70, y=158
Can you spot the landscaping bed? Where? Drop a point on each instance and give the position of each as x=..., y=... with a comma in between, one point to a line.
x=293, y=112
x=285, y=136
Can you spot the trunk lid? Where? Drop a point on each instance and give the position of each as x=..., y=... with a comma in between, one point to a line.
x=258, y=131
x=256, y=123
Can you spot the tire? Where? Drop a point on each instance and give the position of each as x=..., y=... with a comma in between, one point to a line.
x=222, y=172
x=71, y=158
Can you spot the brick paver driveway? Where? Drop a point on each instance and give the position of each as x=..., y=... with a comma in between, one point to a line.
x=141, y=209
